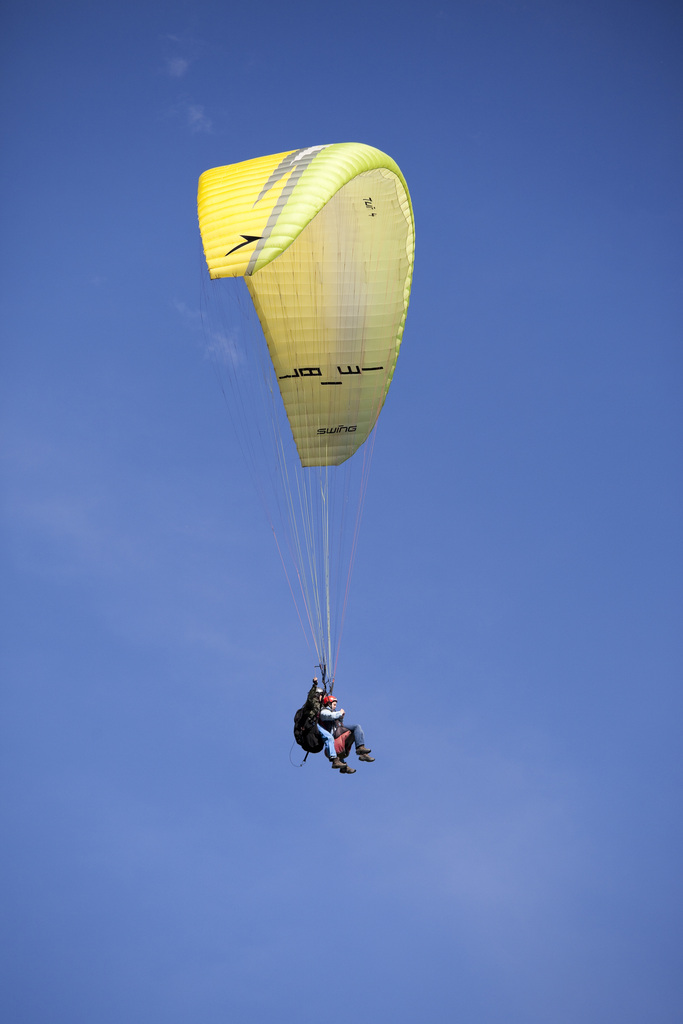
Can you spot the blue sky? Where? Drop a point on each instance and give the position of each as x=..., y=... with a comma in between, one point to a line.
x=512, y=645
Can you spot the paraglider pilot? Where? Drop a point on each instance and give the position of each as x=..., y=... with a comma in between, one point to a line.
x=331, y=726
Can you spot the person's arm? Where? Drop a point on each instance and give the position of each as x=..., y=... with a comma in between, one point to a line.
x=330, y=716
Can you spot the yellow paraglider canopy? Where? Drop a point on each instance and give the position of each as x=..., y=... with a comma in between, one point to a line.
x=324, y=238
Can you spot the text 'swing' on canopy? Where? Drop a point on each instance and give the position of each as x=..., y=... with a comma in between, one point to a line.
x=325, y=240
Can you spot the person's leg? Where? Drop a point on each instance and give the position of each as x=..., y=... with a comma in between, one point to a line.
x=358, y=737
x=359, y=740
x=329, y=742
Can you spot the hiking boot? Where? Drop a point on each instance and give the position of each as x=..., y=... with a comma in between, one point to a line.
x=347, y=770
x=362, y=749
x=338, y=763
x=365, y=757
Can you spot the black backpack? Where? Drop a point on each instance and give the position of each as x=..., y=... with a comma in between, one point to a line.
x=306, y=723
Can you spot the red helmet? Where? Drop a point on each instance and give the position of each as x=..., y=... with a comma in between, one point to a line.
x=328, y=698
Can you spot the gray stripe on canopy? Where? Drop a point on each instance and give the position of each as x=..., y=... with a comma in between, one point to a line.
x=277, y=173
x=300, y=162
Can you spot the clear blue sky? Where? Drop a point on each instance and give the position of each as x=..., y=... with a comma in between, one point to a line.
x=513, y=642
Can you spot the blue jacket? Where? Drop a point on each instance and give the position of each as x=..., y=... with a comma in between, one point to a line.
x=328, y=719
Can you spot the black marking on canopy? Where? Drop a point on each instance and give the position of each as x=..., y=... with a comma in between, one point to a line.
x=247, y=240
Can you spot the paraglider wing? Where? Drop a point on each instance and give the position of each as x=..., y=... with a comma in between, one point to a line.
x=324, y=238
